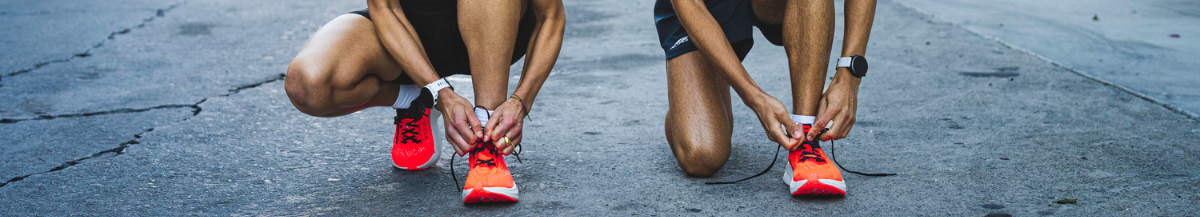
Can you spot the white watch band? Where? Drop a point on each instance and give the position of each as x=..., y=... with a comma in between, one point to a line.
x=436, y=86
x=844, y=62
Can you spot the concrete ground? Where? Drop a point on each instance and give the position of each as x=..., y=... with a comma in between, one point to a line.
x=133, y=107
x=1148, y=46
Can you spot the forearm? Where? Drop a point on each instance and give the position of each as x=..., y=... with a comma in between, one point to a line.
x=704, y=31
x=859, y=16
x=401, y=41
x=544, y=48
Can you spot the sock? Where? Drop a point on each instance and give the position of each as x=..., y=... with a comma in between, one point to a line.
x=408, y=92
x=483, y=115
x=804, y=119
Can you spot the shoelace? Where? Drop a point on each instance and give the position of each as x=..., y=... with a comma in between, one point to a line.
x=407, y=130
x=832, y=154
x=406, y=127
x=490, y=162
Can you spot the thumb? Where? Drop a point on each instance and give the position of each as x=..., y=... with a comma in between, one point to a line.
x=791, y=130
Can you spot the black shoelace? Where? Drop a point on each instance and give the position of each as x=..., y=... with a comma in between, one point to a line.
x=489, y=162
x=804, y=155
x=406, y=124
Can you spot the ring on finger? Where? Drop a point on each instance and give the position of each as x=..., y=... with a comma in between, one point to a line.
x=507, y=142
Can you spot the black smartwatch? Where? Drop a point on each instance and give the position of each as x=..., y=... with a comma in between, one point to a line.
x=857, y=65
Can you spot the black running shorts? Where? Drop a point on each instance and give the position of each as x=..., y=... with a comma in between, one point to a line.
x=436, y=24
x=735, y=17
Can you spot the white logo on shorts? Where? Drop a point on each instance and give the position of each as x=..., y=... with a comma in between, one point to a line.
x=680, y=41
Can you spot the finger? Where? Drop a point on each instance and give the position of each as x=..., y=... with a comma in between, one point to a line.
x=457, y=150
x=475, y=126
x=461, y=124
x=775, y=133
x=847, y=127
x=511, y=132
x=822, y=122
x=835, y=131
x=456, y=141
x=489, y=131
x=511, y=148
x=790, y=127
x=517, y=141
x=503, y=125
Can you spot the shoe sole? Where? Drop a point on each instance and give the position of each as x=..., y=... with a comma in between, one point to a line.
x=437, y=151
x=813, y=186
x=490, y=195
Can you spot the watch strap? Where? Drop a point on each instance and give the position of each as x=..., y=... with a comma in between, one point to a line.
x=844, y=62
x=436, y=86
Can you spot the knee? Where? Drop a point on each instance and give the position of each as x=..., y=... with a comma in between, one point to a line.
x=701, y=158
x=306, y=89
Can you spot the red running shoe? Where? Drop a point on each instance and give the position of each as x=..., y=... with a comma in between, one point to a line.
x=413, y=147
x=488, y=180
x=811, y=173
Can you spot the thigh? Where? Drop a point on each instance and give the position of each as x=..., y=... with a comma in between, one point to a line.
x=346, y=50
x=770, y=12
x=699, y=121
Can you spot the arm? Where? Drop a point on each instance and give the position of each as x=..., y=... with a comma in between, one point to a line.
x=840, y=101
x=709, y=38
x=706, y=33
x=544, y=47
x=860, y=14
x=401, y=41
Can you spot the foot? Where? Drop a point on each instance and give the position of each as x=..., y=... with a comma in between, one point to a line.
x=488, y=180
x=811, y=173
x=413, y=147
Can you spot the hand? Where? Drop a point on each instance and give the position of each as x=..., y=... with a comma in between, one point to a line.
x=838, y=104
x=771, y=113
x=506, y=122
x=462, y=127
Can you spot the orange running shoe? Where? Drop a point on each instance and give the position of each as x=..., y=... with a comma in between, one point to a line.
x=811, y=173
x=488, y=180
x=413, y=147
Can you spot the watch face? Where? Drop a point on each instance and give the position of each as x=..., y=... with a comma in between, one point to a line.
x=859, y=66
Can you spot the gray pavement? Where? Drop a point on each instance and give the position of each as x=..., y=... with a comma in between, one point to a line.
x=1148, y=47
x=186, y=115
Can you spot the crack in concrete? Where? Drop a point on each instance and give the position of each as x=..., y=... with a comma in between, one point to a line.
x=195, y=106
x=120, y=149
x=239, y=89
x=114, y=111
x=87, y=52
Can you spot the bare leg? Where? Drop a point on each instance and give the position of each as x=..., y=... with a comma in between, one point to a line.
x=700, y=120
x=342, y=69
x=807, y=38
x=489, y=29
